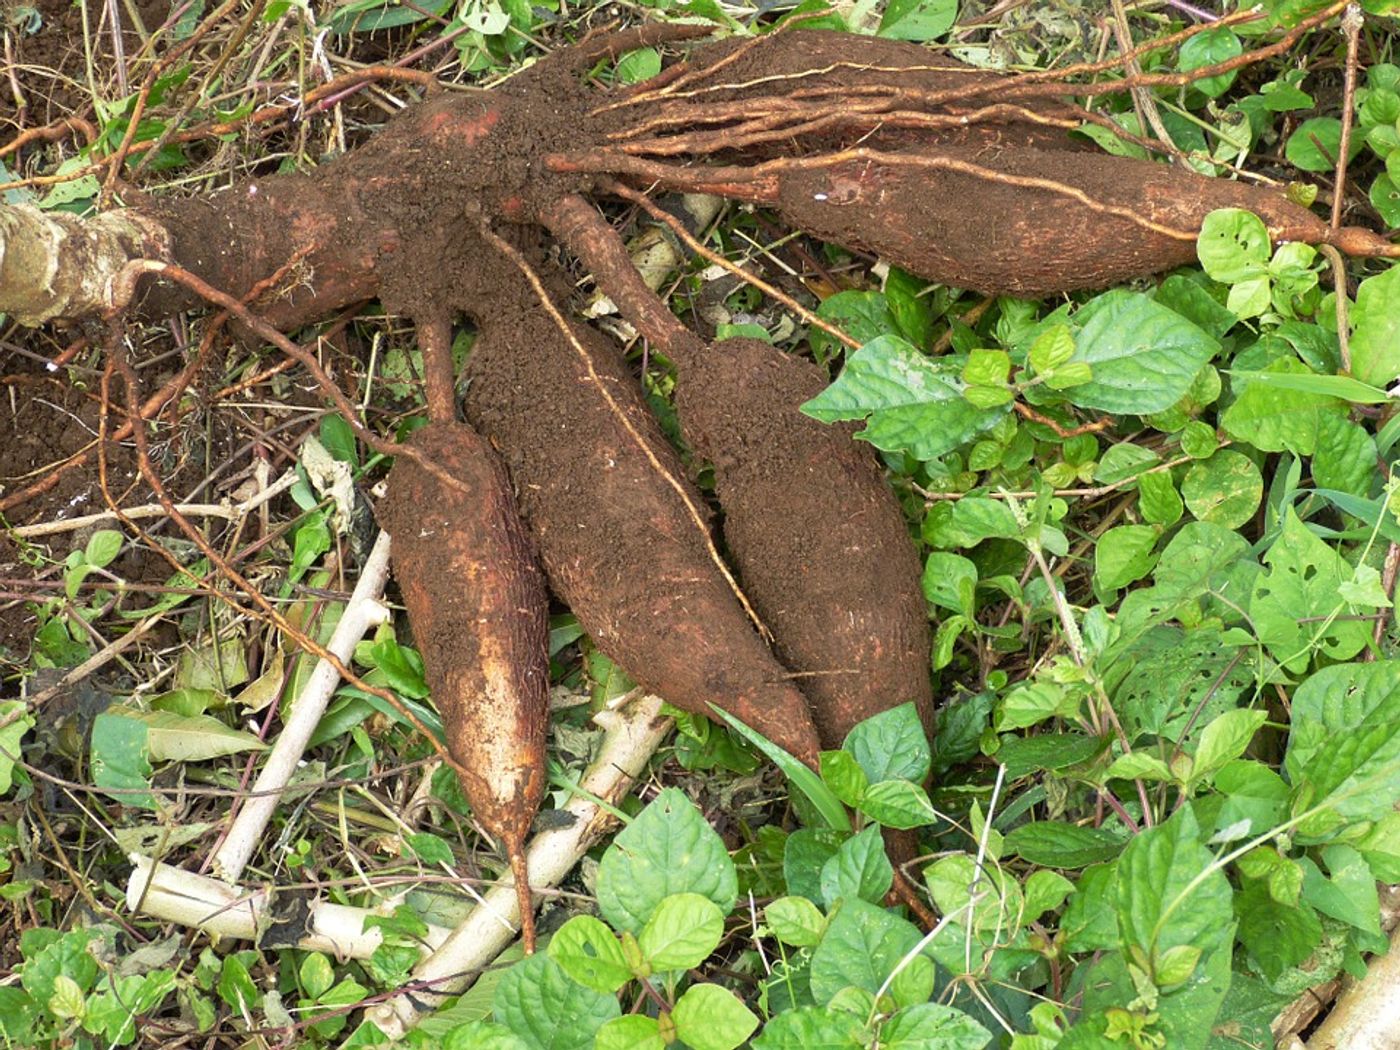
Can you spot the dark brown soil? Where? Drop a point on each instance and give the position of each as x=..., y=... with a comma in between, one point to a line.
x=818, y=537
x=619, y=545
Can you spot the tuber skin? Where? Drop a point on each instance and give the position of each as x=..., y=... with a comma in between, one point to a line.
x=476, y=599
x=817, y=535
x=617, y=541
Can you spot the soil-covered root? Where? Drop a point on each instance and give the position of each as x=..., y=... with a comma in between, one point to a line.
x=477, y=603
x=617, y=526
x=1024, y=220
x=817, y=535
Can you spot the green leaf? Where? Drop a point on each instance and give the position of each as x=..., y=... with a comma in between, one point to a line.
x=1124, y=555
x=898, y=804
x=19, y=723
x=103, y=547
x=862, y=945
x=1208, y=49
x=1045, y=891
x=859, y=869
x=1278, y=936
x=171, y=737
x=709, y=1017
x=639, y=65
x=119, y=759
x=932, y=1026
x=1225, y=739
x=682, y=932
x=1233, y=245
x=1385, y=198
x=804, y=855
x=969, y=521
x=1255, y=797
x=590, y=954
x=843, y=775
x=1292, y=603
x=795, y=921
x=811, y=1028
x=1349, y=895
x=918, y=20
x=909, y=402
x=630, y=1032
x=985, y=899
x=1275, y=413
x=945, y=577
x=538, y=1002
x=1144, y=356
x=891, y=745
x=864, y=316
x=1167, y=893
x=1375, y=332
x=1225, y=489
x=1346, y=456
x=1317, y=143
x=1158, y=501
x=482, y=1035
x=1052, y=348
x=668, y=848
x=1059, y=845
x=1345, y=739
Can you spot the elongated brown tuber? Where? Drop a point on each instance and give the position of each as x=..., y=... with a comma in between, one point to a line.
x=818, y=538
x=616, y=524
x=477, y=603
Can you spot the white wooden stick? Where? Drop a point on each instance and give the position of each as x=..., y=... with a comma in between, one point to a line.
x=634, y=732
x=212, y=905
x=362, y=612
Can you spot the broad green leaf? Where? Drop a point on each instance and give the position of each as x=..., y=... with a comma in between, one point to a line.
x=1273, y=414
x=482, y=1035
x=19, y=723
x=1349, y=893
x=1375, y=332
x=795, y=921
x=1385, y=198
x=1316, y=143
x=1277, y=935
x=1233, y=245
x=908, y=401
x=1345, y=739
x=918, y=20
x=639, y=65
x=1158, y=501
x=1171, y=679
x=1124, y=555
x=709, y=1017
x=1143, y=355
x=945, y=576
x=864, y=316
x=538, y=1002
x=1059, y=845
x=1045, y=891
x=1225, y=739
x=860, y=869
x=667, y=848
x=985, y=899
x=119, y=759
x=589, y=952
x=1208, y=49
x=190, y=738
x=891, y=745
x=804, y=855
x=811, y=1028
x=1225, y=489
x=843, y=775
x=863, y=943
x=1255, y=798
x=932, y=1026
x=1295, y=607
x=1167, y=893
x=898, y=804
x=103, y=547
x=682, y=932
x=1346, y=456
x=969, y=521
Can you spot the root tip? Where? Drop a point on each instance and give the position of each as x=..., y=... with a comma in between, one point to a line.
x=1354, y=240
